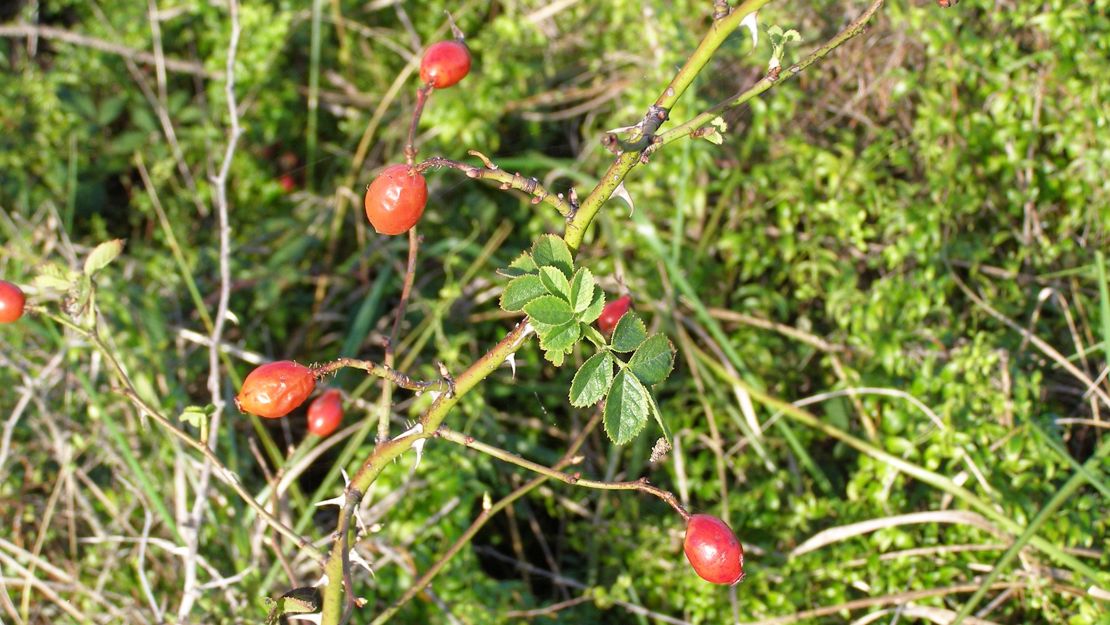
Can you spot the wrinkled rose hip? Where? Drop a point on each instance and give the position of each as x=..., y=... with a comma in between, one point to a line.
x=275, y=389
x=713, y=550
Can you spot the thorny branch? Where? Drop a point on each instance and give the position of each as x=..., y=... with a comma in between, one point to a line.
x=422, y=582
x=384, y=372
x=507, y=181
x=579, y=218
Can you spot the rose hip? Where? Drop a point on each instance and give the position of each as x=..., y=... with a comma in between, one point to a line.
x=275, y=389
x=713, y=550
x=612, y=313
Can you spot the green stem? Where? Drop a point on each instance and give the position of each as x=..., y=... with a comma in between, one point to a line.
x=854, y=29
x=388, y=451
x=718, y=32
x=483, y=518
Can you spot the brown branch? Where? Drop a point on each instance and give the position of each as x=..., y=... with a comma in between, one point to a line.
x=507, y=181
x=381, y=371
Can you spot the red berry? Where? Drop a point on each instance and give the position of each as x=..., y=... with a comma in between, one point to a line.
x=325, y=412
x=612, y=313
x=11, y=302
x=445, y=63
x=396, y=199
x=275, y=389
x=713, y=550
x=288, y=184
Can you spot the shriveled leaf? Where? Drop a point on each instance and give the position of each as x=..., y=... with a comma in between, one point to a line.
x=54, y=277
x=561, y=337
x=551, y=251
x=653, y=360
x=549, y=310
x=555, y=282
x=102, y=255
x=592, y=380
x=582, y=290
x=521, y=291
x=626, y=409
x=629, y=333
x=713, y=136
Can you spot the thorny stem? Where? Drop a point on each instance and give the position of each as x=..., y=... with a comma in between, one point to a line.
x=354, y=497
x=507, y=181
x=381, y=371
x=385, y=403
x=574, y=479
x=422, y=582
x=614, y=176
x=579, y=218
x=691, y=126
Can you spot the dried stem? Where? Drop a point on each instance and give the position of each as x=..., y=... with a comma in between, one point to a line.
x=507, y=181
x=146, y=58
x=219, y=182
x=422, y=96
x=382, y=371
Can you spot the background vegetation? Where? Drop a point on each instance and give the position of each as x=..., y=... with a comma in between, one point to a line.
x=828, y=239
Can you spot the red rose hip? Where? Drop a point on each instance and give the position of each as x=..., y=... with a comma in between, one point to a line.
x=11, y=302
x=612, y=313
x=325, y=413
x=713, y=550
x=395, y=200
x=275, y=389
x=445, y=63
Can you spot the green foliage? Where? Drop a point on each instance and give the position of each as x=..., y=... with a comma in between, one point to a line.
x=561, y=311
x=839, y=207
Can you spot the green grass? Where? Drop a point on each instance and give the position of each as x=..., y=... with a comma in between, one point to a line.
x=821, y=248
